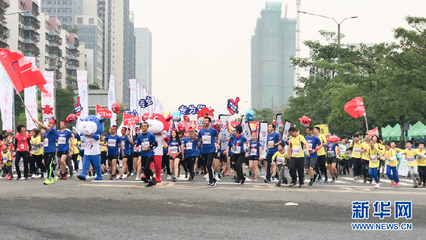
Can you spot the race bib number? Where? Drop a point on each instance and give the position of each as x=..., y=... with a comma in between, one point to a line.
x=296, y=150
x=373, y=158
x=34, y=148
x=112, y=142
x=46, y=142
x=392, y=159
x=271, y=144
x=253, y=152
x=189, y=146
x=173, y=149
x=22, y=146
x=309, y=146
x=330, y=153
x=237, y=149
x=61, y=140
x=357, y=150
x=411, y=159
x=145, y=144
x=135, y=148
x=280, y=160
x=207, y=139
x=100, y=147
x=83, y=145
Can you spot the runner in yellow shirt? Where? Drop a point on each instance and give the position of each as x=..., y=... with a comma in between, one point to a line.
x=322, y=159
x=374, y=162
x=421, y=163
x=365, y=158
x=411, y=153
x=391, y=164
x=280, y=159
x=297, y=151
x=36, y=153
x=355, y=150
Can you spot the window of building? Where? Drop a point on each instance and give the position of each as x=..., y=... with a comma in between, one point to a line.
x=91, y=21
x=80, y=20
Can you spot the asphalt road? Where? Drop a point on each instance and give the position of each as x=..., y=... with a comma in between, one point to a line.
x=125, y=209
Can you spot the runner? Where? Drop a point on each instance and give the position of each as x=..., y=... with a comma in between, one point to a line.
x=191, y=152
x=322, y=160
x=22, y=143
x=365, y=158
x=374, y=162
x=104, y=151
x=410, y=153
x=343, y=156
x=313, y=145
x=421, y=163
x=297, y=150
x=391, y=164
x=355, y=150
x=254, y=157
x=136, y=152
x=174, y=152
x=126, y=142
x=207, y=135
x=36, y=154
x=378, y=144
x=280, y=159
x=332, y=151
x=273, y=139
x=239, y=154
x=49, y=136
x=147, y=142
x=114, y=143
x=74, y=155
x=64, y=147
x=6, y=161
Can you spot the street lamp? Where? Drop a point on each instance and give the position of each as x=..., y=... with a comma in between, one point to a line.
x=338, y=29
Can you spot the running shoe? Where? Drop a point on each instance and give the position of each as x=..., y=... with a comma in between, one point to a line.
x=373, y=182
x=214, y=183
x=278, y=184
x=319, y=179
x=326, y=181
x=254, y=179
x=273, y=178
x=169, y=177
x=33, y=176
x=397, y=185
x=175, y=179
x=416, y=185
x=310, y=183
x=301, y=185
x=227, y=173
x=121, y=177
x=377, y=185
x=243, y=180
x=291, y=184
x=267, y=181
x=392, y=182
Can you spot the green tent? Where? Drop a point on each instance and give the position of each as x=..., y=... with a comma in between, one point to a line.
x=394, y=134
x=417, y=131
x=386, y=130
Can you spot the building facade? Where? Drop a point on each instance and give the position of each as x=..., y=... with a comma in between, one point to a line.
x=144, y=58
x=4, y=31
x=23, y=27
x=272, y=45
x=64, y=10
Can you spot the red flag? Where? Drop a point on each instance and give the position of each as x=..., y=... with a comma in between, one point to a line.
x=103, y=112
x=372, y=132
x=355, y=107
x=130, y=119
x=22, y=72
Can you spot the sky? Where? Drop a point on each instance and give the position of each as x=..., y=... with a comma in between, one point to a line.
x=201, y=48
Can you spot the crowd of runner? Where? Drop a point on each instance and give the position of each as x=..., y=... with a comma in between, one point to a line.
x=56, y=154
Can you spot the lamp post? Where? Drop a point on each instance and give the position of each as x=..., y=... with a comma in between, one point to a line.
x=338, y=29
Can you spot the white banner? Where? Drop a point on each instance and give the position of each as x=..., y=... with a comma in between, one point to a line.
x=48, y=99
x=138, y=108
x=263, y=126
x=224, y=134
x=132, y=85
x=6, y=99
x=31, y=103
x=247, y=131
x=287, y=126
x=111, y=98
x=277, y=123
x=82, y=92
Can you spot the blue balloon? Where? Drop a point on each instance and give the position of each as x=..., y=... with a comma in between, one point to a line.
x=177, y=116
x=250, y=115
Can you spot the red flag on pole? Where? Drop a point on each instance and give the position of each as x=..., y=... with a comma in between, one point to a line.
x=130, y=119
x=22, y=72
x=103, y=112
x=355, y=107
x=373, y=132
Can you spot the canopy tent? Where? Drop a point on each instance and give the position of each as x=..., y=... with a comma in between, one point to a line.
x=416, y=131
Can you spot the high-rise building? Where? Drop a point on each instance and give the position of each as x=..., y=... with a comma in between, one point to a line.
x=91, y=34
x=50, y=45
x=24, y=27
x=64, y=10
x=272, y=45
x=144, y=57
x=118, y=36
x=4, y=31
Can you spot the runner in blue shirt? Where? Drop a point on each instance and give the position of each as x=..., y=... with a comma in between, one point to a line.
x=238, y=157
x=254, y=150
x=147, y=142
x=314, y=144
x=174, y=153
x=191, y=152
x=136, y=153
x=273, y=139
x=49, y=148
x=113, y=142
x=64, y=149
x=207, y=136
x=127, y=143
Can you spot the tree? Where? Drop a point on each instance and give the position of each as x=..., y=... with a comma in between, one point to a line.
x=265, y=114
x=64, y=102
x=94, y=85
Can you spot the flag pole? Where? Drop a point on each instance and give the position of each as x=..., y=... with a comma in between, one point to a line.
x=366, y=123
x=24, y=104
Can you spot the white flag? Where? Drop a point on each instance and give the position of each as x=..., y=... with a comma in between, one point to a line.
x=82, y=92
x=132, y=85
x=263, y=137
x=111, y=98
x=48, y=99
x=6, y=99
x=32, y=105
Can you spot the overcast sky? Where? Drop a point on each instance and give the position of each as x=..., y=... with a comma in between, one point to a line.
x=201, y=48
